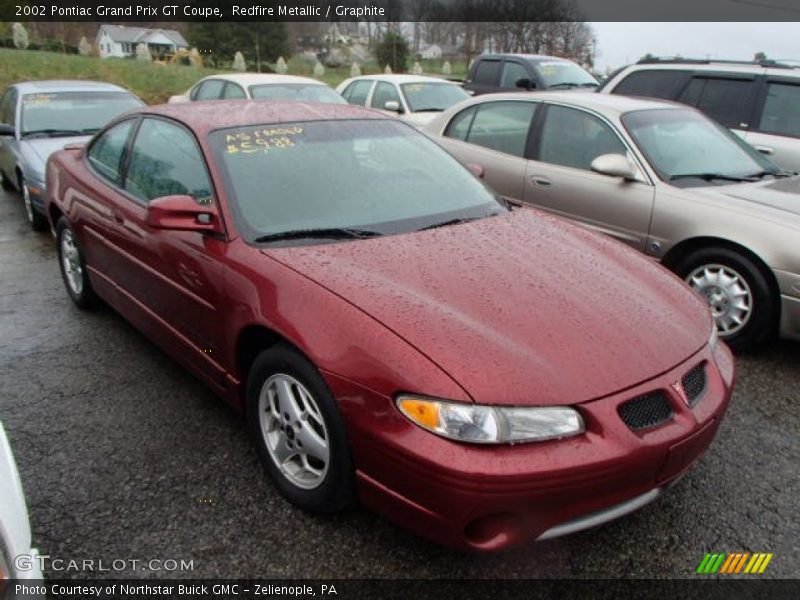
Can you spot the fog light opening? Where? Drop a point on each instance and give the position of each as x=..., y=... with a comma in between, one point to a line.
x=492, y=531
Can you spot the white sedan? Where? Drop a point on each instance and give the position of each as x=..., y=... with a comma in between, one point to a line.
x=414, y=98
x=17, y=559
x=259, y=86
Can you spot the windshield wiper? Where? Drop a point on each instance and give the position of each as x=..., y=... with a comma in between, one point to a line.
x=429, y=110
x=52, y=133
x=449, y=222
x=566, y=85
x=709, y=177
x=334, y=233
x=765, y=172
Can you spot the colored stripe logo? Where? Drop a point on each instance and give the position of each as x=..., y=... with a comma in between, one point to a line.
x=734, y=563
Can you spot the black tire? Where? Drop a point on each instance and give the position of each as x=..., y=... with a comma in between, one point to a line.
x=762, y=322
x=5, y=182
x=36, y=220
x=335, y=490
x=82, y=295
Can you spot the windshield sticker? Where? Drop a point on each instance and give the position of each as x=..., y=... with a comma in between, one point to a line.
x=261, y=140
x=38, y=98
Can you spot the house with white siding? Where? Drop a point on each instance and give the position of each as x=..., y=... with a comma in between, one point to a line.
x=120, y=41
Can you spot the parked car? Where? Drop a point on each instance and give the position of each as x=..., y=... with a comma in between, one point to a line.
x=259, y=86
x=659, y=176
x=387, y=325
x=414, y=98
x=492, y=73
x=758, y=101
x=18, y=560
x=39, y=117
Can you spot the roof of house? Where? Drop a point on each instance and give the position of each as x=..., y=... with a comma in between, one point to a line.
x=134, y=35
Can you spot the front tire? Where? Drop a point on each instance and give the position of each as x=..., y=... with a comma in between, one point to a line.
x=73, y=266
x=298, y=431
x=738, y=294
x=5, y=182
x=36, y=220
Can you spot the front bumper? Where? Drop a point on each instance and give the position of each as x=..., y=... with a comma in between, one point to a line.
x=493, y=497
x=789, y=285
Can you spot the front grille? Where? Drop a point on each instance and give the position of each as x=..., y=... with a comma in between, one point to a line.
x=694, y=383
x=646, y=411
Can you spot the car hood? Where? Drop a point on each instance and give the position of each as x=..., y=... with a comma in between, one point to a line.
x=39, y=150
x=520, y=309
x=782, y=194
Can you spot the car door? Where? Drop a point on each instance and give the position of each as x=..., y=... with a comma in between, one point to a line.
x=8, y=116
x=728, y=98
x=513, y=72
x=210, y=89
x=494, y=135
x=559, y=178
x=171, y=282
x=385, y=92
x=776, y=130
x=486, y=78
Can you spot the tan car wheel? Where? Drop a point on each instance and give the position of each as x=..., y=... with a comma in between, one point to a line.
x=738, y=294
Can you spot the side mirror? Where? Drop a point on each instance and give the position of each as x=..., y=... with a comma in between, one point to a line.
x=525, y=83
x=394, y=106
x=477, y=170
x=183, y=213
x=6, y=130
x=614, y=165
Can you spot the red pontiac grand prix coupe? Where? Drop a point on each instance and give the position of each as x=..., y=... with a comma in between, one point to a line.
x=392, y=331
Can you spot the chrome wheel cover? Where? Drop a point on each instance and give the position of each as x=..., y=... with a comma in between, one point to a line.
x=294, y=431
x=71, y=262
x=728, y=295
x=26, y=200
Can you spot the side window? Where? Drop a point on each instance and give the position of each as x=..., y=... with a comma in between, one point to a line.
x=233, y=92
x=487, y=72
x=781, y=112
x=460, y=125
x=574, y=138
x=357, y=92
x=209, y=90
x=384, y=92
x=8, y=107
x=502, y=126
x=725, y=100
x=106, y=152
x=513, y=72
x=166, y=160
x=652, y=84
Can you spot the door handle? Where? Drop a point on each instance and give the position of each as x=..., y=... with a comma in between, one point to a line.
x=765, y=150
x=540, y=181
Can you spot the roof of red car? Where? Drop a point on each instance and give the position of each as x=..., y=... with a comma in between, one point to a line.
x=207, y=116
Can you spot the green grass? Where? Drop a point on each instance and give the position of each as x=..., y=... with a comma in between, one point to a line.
x=153, y=83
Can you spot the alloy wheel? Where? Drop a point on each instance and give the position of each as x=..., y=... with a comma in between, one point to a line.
x=728, y=295
x=71, y=261
x=294, y=431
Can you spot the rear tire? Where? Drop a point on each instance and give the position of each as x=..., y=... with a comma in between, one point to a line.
x=737, y=291
x=298, y=431
x=73, y=266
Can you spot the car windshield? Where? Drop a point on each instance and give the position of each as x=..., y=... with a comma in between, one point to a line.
x=563, y=73
x=305, y=92
x=684, y=145
x=422, y=97
x=72, y=113
x=377, y=177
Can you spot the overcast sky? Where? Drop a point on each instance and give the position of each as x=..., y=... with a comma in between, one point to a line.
x=623, y=43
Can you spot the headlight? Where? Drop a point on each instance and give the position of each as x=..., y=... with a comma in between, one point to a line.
x=491, y=424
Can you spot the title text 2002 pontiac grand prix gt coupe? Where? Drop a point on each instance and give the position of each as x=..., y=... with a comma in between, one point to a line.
x=391, y=330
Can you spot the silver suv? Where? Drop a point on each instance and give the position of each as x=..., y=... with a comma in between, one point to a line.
x=760, y=101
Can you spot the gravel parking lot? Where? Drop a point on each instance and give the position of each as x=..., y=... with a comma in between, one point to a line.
x=124, y=455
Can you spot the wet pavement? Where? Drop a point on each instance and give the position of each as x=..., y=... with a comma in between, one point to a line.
x=124, y=456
